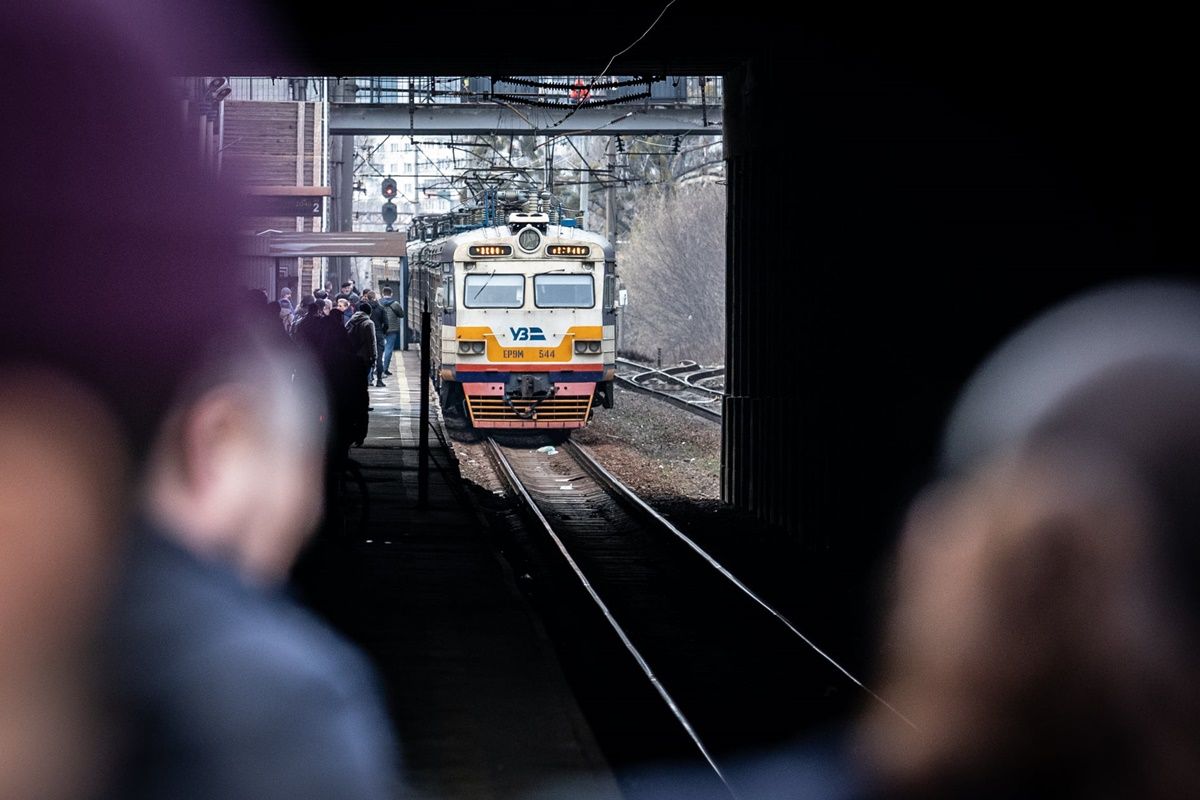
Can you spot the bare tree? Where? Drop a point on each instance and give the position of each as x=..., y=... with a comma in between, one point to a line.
x=674, y=268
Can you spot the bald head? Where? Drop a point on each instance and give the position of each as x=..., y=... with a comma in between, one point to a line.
x=1044, y=363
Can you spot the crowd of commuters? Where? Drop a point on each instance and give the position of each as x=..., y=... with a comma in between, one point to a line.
x=347, y=335
x=1045, y=629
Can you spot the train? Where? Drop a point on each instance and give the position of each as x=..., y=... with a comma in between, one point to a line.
x=524, y=307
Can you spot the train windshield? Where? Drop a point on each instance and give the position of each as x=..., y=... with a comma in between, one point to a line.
x=564, y=291
x=494, y=291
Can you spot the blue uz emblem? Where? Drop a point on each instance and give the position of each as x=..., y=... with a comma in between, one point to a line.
x=527, y=334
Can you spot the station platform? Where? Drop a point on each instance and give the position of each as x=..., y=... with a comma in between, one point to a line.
x=479, y=702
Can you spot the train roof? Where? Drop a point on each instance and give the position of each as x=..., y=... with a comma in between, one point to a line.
x=442, y=249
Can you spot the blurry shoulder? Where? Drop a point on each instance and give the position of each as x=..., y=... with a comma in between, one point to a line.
x=189, y=619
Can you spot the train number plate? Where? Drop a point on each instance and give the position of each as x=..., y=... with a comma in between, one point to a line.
x=529, y=354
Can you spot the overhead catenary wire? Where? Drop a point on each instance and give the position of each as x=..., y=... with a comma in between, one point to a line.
x=617, y=55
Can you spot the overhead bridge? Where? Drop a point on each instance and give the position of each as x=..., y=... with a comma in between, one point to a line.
x=425, y=119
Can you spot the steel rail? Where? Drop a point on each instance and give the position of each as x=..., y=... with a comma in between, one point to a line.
x=647, y=371
x=518, y=486
x=586, y=460
x=703, y=410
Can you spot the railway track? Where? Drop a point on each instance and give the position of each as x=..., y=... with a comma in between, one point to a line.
x=688, y=384
x=734, y=672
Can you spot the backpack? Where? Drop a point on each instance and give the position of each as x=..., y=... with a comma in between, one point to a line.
x=394, y=313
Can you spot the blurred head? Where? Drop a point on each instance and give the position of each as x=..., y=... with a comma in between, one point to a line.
x=347, y=286
x=286, y=292
x=63, y=470
x=387, y=291
x=1031, y=644
x=364, y=307
x=237, y=468
x=1060, y=351
x=79, y=415
x=369, y=294
x=343, y=304
x=63, y=481
x=1047, y=623
x=144, y=233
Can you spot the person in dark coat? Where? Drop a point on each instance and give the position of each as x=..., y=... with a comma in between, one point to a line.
x=379, y=317
x=348, y=294
x=362, y=342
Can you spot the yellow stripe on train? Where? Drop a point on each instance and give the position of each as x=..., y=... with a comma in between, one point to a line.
x=527, y=351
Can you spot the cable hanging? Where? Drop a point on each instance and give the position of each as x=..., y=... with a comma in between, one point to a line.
x=568, y=85
x=573, y=106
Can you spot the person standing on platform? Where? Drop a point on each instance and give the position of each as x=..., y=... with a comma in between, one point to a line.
x=380, y=319
x=362, y=340
x=304, y=329
x=348, y=294
x=393, y=311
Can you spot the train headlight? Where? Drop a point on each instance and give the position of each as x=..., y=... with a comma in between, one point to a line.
x=468, y=348
x=593, y=347
x=477, y=347
x=582, y=347
x=529, y=240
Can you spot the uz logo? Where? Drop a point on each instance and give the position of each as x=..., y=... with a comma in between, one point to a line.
x=527, y=334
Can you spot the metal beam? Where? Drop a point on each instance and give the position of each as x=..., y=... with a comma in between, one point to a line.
x=358, y=119
x=341, y=243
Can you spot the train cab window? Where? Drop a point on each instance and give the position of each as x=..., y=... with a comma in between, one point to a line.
x=564, y=291
x=494, y=291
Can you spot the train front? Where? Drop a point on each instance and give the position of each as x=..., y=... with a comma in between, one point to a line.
x=533, y=344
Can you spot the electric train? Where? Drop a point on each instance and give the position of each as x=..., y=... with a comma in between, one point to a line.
x=523, y=313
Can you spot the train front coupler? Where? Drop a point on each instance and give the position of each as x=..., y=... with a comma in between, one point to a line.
x=532, y=389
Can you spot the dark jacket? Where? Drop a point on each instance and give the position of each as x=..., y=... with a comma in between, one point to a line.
x=362, y=338
x=379, y=317
x=230, y=691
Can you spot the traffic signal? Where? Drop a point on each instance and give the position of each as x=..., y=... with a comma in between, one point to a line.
x=389, y=214
x=389, y=188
